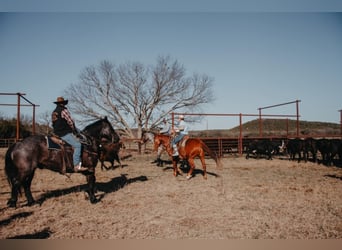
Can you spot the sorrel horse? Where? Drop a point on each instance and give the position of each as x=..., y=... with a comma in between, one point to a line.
x=188, y=149
x=23, y=158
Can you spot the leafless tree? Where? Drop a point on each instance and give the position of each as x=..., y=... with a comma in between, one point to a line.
x=135, y=96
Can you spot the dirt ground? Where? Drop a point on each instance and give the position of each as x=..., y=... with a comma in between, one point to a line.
x=246, y=199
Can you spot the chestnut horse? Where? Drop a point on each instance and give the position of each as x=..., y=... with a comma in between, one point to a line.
x=188, y=149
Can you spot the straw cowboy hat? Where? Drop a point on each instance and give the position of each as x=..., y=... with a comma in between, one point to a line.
x=60, y=100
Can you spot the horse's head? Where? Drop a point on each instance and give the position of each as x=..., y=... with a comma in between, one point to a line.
x=102, y=129
x=108, y=131
x=161, y=140
x=147, y=136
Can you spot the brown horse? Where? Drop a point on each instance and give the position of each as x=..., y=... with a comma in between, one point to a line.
x=110, y=152
x=188, y=149
x=24, y=157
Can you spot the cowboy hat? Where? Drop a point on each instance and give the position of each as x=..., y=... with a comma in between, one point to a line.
x=60, y=100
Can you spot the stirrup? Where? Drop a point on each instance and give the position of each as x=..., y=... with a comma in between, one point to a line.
x=175, y=150
x=79, y=168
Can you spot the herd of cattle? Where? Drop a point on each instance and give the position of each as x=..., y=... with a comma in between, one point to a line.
x=316, y=150
x=325, y=151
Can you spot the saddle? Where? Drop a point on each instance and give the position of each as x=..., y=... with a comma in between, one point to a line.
x=181, y=144
x=54, y=142
x=65, y=151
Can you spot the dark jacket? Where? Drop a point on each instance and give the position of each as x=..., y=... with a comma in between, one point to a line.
x=59, y=124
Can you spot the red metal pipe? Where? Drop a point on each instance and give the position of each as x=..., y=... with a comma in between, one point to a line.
x=17, y=134
x=260, y=123
x=21, y=95
x=297, y=112
x=240, y=137
x=341, y=120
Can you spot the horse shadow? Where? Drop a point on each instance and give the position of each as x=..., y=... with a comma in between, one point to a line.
x=14, y=217
x=116, y=184
x=185, y=168
x=106, y=187
x=43, y=234
x=105, y=168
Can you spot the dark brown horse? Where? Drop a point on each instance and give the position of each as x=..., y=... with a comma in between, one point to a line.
x=188, y=149
x=110, y=152
x=23, y=158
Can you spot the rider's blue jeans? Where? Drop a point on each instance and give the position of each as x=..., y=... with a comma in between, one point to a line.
x=73, y=141
x=177, y=139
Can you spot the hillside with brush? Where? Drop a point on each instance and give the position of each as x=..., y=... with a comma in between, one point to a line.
x=274, y=127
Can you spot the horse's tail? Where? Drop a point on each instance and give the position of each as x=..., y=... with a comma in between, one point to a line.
x=212, y=154
x=11, y=169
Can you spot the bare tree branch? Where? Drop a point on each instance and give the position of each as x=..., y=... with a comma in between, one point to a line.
x=135, y=96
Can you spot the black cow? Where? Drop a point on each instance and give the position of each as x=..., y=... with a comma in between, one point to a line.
x=310, y=146
x=335, y=149
x=295, y=146
x=323, y=146
x=329, y=148
x=110, y=152
x=263, y=147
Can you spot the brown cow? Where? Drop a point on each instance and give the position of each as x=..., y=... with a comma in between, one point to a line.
x=110, y=152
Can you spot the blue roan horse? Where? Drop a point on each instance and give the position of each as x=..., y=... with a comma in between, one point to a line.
x=22, y=159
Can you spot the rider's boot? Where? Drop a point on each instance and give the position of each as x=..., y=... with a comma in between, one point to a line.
x=175, y=150
x=79, y=168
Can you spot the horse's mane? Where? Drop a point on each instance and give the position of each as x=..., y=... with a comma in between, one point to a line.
x=162, y=135
x=96, y=124
x=91, y=128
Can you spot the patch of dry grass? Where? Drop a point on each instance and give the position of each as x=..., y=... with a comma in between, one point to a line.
x=247, y=199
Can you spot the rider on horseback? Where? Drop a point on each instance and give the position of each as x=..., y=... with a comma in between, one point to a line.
x=165, y=130
x=181, y=130
x=64, y=127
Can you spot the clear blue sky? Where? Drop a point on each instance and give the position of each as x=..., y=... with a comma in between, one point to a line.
x=256, y=58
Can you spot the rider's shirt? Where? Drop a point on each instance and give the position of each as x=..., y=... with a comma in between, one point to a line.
x=62, y=122
x=165, y=129
x=182, y=127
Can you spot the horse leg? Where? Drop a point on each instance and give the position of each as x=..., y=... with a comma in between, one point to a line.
x=204, y=167
x=118, y=160
x=15, y=190
x=103, y=166
x=27, y=189
x=91, y=179
x=176, y=170
x=192, y=167
x=184, y=164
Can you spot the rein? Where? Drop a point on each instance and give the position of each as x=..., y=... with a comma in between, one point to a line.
x=90, y=152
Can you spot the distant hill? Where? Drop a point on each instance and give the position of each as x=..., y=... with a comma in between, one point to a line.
x=274, y=127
